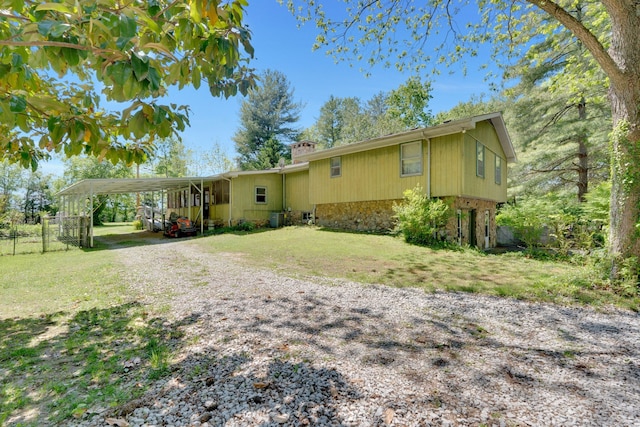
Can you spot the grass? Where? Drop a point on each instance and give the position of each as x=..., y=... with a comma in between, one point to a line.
x=73, y=340
x=303, y=251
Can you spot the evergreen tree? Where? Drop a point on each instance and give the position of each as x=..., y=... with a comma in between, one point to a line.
x=348, y=120
x=268, y=114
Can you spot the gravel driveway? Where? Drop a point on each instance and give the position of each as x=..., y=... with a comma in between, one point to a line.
x=262, y=349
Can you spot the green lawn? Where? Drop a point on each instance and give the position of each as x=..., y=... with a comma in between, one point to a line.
x=389, y=260
x=73, y=339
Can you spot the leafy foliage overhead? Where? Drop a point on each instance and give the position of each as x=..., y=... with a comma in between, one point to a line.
x=59, y=59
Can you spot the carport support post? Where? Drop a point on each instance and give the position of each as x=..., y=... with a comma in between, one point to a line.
x=202, y=207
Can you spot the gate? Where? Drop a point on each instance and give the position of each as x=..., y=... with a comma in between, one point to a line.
x=61, y=232
x=52, y=234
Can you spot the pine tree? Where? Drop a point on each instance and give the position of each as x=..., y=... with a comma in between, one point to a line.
x=268, y=113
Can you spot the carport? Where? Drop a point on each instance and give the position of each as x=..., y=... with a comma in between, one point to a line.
x=77, y=199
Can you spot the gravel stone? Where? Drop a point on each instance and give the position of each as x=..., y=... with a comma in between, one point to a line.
x=259, y=347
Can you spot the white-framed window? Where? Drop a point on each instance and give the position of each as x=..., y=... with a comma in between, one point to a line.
x=336, y=166
x=261, y=195
x=498, y=170
x=480, y=159
x=411, y=158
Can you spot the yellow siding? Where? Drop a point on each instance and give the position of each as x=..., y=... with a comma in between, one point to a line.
x=297, y=191
x=446, y=165
x=243, y=201
x=478, y=187
x=220, y=213
x=369, y=175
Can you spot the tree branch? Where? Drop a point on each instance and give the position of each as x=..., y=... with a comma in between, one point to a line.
x=589, y=40
x=47, y=43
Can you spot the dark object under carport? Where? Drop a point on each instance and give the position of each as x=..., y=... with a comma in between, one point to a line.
x=179, y=226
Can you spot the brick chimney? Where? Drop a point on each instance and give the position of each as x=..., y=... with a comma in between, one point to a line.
x=301, y=147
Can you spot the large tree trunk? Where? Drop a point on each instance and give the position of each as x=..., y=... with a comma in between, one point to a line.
x=622, y=66
x=625, y=102
x=583, y=155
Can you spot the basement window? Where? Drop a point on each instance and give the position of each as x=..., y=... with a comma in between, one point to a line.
x=411, y=159
x=261, y=195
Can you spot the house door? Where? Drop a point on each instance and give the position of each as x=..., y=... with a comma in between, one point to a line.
x=486, y=229
x=473, y=238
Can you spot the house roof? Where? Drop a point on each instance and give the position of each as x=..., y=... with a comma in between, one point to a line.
x=98, y=186
x=447, y=128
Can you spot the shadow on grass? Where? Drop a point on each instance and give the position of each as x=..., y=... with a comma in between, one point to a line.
x=60, y=366
x=149, y=238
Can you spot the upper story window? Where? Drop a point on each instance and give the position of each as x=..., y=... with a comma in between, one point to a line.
x=498, y=170
x=411, y=158
x=479, y=160
x=336, y=166
x=261, y=195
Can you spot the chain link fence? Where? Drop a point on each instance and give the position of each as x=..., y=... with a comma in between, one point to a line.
x=52, y=234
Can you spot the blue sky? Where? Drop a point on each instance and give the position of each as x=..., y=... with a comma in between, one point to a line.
x=280, y=45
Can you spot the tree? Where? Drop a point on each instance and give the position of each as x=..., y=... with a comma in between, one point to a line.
x=210, y=162
x=506, y=23
x=11, y=178
x=268, y=114
x=82, y=167
x=561, y=109
x=170, y=158
x=408, y=103
x=348, y=120
x=331, y=121
x=37, y=196
x=54, y=56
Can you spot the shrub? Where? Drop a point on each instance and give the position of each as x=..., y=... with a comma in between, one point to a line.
x=421, y=220
x=137, y=224
x=244, y=226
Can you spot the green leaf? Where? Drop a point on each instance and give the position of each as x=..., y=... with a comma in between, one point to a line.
x=128, y=26
x=140, y=65
x=17, y=104
x=58, y=29
x=44, y=27
x=119, y=72
x=71, y=56
x=4, y=70
x=195, y=10
x=123, y=42
x=16, y=60
x=138, y=125
x=58, y=7
x=164, y=129
x=196, y=77
x=154, y=79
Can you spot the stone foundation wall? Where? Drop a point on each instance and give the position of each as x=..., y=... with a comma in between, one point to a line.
x=377, y=216
x=469, y=207
x=373, y=215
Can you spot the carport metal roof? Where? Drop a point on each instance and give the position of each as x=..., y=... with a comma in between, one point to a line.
x=91, y=187
x=129, y=185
